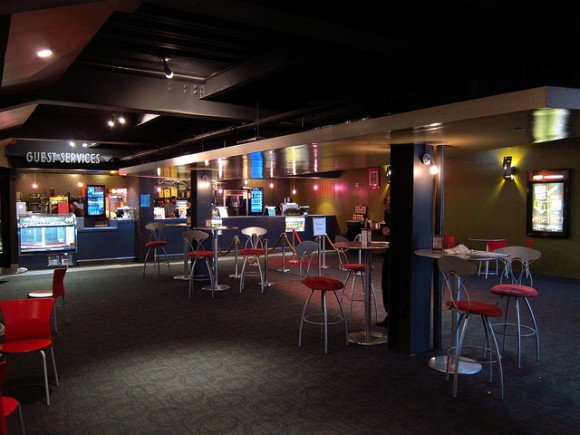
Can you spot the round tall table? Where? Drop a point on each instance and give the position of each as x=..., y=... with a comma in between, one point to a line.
x=215, y=232
x=439, y=362
x=367, y=336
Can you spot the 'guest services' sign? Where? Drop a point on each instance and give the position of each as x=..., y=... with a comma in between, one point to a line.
x=71, y=158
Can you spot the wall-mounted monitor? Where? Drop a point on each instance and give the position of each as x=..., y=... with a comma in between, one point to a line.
x=95, y=201
x=256, y=200
x=548, y=203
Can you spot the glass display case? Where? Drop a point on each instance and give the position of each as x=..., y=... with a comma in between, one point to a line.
x=46, y=233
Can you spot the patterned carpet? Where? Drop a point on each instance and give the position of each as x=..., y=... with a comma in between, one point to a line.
x=138, y=357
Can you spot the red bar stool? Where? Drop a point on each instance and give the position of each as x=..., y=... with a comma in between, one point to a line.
x=197, y=251
x=156, y=245
x=323, y=318
x=253, y=249
x=455, y=271
x=518, y=266
x=353, y=269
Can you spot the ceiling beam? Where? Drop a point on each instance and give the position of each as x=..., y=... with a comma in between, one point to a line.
x=263, y=66
x=117, y=91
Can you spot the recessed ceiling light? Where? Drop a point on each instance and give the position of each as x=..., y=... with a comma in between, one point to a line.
x=46, y=52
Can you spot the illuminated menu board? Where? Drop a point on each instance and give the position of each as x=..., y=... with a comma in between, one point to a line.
x=95, y=201
x=256, y=200
x=548, y=203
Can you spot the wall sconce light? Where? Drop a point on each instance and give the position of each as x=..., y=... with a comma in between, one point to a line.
x=429, y=161
x=508, y=169
x=205, y=181
x=166, y=69
x=388, y=173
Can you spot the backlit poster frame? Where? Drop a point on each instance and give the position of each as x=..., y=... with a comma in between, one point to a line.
x=549, y=203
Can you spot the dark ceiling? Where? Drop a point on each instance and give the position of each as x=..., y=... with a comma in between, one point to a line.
x=254, y=70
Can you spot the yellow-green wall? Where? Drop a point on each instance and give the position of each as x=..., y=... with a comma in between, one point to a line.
x=479, y=203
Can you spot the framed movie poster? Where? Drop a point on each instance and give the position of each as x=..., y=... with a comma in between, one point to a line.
x=548, y=203
x=374, y=180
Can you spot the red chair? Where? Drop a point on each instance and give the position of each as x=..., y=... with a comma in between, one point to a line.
x=448, y=241
x=530, y=242
x=8, y=405
x=491, y=246
x=27, y=329
x=56, y=292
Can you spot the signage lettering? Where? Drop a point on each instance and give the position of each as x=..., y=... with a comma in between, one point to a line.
x=72, y=158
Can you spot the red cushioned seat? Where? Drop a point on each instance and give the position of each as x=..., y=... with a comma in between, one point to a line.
x=155, y=243
x=522, y=291
x=322, y=283
x=252, y=251
x=357, y=267
x=200, y=254
x=476, y=307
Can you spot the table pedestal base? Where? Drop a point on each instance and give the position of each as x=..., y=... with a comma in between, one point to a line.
x=181, y=277
x=360, y=337
x=439, y=363
x=217, y=288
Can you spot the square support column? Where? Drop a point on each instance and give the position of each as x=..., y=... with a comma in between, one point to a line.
x=411, y=229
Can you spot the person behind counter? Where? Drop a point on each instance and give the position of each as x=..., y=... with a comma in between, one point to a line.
x=170, y=207
x=76, y=209
x=386, y=262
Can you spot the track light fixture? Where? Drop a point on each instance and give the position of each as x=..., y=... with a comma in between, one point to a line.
x=166, y=69
x=116, y=120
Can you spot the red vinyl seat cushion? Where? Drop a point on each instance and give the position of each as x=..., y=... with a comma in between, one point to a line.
x=200, y=254
x=154, y=243
x=476, y=307
x=516, y=290
x=252, y=251
x=357, y=267
x=322, y=283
